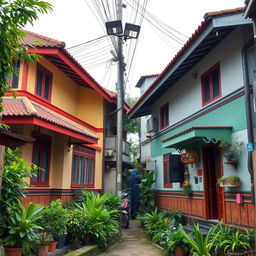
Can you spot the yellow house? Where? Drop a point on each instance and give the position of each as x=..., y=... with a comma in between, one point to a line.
x=63, y=108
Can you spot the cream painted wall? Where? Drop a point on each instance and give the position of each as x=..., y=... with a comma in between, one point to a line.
x=90, y=106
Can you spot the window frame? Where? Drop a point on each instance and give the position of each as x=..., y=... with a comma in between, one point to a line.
x=85, y=154
x=47, y=148
x=164, y=108
x=166, y=164
x=45, y=72
x=17, y=67
x=209, y=73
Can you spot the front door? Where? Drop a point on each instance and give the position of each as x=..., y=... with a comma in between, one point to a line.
x=213, y=193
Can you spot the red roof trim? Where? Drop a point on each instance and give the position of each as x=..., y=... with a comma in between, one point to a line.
x=68, y=59
x=54, y=108
x=200, y=28
x=47, y=125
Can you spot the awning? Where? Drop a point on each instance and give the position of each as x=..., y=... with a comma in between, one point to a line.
x=12, y=139
x=182, y=139
x=23, y=111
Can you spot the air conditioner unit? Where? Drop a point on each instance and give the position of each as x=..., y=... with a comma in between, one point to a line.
x=151, y=125
x=109, y=152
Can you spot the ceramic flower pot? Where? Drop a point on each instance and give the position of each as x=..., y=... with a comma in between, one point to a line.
x=236, y=253
x=52, y=246
x=180, y=252
x=42, y=250
x=13, y=251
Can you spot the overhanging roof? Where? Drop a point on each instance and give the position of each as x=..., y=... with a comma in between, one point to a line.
x=215, y=27
x=55, y=52
x=182, y=139
x=12, y=139
x=21, y=110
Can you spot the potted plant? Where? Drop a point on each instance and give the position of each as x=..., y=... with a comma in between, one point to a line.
x=230, y=181
x=42, y=244
x=21, y=228
x=231, y=151
x=236, y=244
x=186, y=188
x=55, y=218
x=201, y=245
x=175, y=242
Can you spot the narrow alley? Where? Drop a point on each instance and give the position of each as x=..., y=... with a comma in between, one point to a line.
x=133, y=242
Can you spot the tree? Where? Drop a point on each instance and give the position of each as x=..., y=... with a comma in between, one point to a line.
x=133, y=127
x=14, y=15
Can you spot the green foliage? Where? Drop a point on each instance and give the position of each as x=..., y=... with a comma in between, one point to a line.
x=76, y=224
x=15, y=170
x=155, y=222
x=236, y=243
x=54, y=218
x=230, y=179
x=99, y=221
x=22, y=225
x=132, y=125
x=147, y=202
x=14, y=15
x=201, y=245
x=174, y=239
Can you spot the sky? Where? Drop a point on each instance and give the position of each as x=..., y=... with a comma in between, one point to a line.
x=74, y=23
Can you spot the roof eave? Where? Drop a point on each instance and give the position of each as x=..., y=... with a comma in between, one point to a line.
x=140, y=108
x=250, y=9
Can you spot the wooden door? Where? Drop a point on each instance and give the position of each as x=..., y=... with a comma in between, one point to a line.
x=213, y=193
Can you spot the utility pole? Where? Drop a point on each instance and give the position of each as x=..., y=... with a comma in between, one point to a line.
x=120, y=103
x=131, y=31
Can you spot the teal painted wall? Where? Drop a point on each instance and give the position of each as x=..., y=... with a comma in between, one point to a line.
x=231, y=114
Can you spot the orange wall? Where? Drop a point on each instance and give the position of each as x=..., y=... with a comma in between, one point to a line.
x=79, y=101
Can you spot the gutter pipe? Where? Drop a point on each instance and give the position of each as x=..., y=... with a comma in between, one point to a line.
x=247, y=93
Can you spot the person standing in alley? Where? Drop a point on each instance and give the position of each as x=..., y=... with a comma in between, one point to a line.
x=133, y=185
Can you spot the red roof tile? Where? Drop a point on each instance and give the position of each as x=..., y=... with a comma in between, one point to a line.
x=23, y=107
x=40, y=40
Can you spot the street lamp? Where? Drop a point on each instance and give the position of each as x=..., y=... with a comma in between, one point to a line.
x=114, y=28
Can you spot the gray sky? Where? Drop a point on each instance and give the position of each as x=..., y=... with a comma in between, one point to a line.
x=74, y=23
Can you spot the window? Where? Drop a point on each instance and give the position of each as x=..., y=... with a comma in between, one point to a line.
x=14, y=81
x=43, y=83
x=41, y=158
x=210, y=81
x=83, y=167
x=173, y=169
x=164, y=116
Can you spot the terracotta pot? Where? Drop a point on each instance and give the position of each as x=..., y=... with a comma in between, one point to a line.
x=87, y=240
x=52, y=246
x=42, y=250
x=13, y=251
x=180, y=252
x=236, y=253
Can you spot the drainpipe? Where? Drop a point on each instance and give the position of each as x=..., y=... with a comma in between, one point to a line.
x=247, y=90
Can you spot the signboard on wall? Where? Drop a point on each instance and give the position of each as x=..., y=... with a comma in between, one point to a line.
x=151, y=165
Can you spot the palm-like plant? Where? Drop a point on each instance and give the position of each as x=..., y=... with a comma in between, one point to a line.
x=236, y=243
x=201, y=245
x=99, y=221
x=22, y=226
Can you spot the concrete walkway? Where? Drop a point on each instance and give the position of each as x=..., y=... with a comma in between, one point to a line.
x=133, y=243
